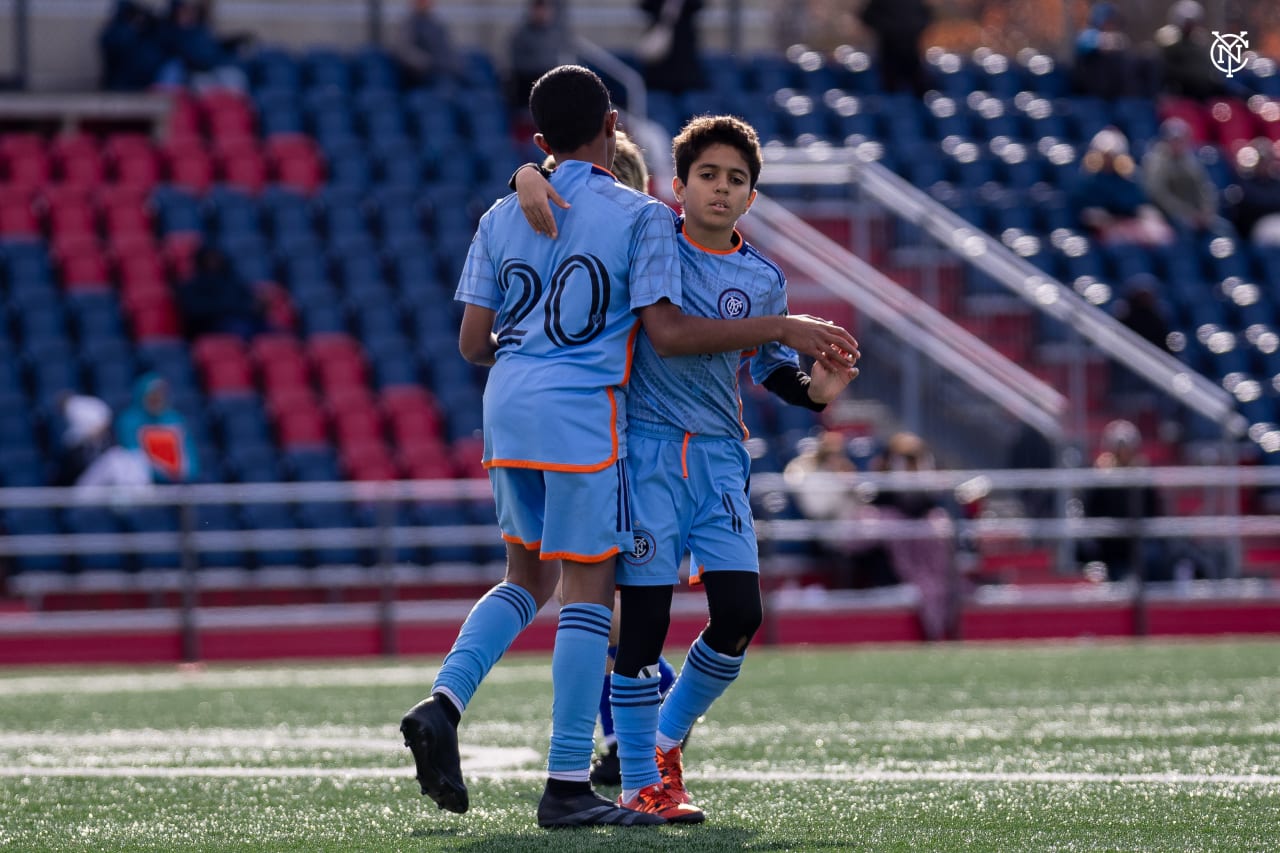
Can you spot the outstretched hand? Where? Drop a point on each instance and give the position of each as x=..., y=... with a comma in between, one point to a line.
x=536, y=197
x=826, y=381
x=820, y=339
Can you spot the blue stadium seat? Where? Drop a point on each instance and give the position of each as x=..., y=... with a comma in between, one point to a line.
x=94, y=519
x=278, y=111
x=23, y=467
x=274, y=68
x=324, y=68
x=33, y=521
x=269, y=516
x=177, y=211
x=375, y=69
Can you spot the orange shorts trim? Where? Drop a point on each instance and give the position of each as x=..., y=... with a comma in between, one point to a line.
x=581, y=558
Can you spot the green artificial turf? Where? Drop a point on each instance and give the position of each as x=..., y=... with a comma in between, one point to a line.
x=1076, y=746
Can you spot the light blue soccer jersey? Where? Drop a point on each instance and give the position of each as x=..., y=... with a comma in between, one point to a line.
x=699, y=393
x=556, y=396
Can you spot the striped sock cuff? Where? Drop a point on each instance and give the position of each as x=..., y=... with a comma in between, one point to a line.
x=713, y=664
x=519, y=599
x=592, y=618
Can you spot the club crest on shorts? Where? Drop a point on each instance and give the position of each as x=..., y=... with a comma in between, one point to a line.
x=734, y=304
x=644, y=549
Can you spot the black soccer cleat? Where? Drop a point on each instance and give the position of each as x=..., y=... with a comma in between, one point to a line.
x=433, y=740
x=589, y=809
x=605, y=767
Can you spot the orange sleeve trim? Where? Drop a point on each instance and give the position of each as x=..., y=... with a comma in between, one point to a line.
x=580, y=558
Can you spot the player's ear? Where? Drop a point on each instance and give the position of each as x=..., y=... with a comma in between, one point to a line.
x=611, y=123
x=751, y=199
x=541, y=141
x=677, y=187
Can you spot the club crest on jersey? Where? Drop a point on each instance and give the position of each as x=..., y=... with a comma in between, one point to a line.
x=644, y=548
x=734, y=304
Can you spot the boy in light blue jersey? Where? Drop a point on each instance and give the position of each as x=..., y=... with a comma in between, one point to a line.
x=689, y=469
x=557, y=323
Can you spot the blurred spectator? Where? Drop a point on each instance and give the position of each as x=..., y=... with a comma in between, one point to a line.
x=1187, y=63
x=818, y=477
x=898, y=25
x=1106, y=64
x=131, y=47
x=1179, y=184
x=669, y=49
x=821, y=25
x=1031, y=449
x=926, y=561
x=1109, y=200
x=216, y=300
x=1118, y=557
x=539, y=43
x=90, y=455
x=153, y=427
x=1141, y=310
x=426, y=46
x=1253, y=197
x=197, y=56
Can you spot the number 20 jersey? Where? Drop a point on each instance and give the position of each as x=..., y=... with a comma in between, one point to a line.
x=566, y=323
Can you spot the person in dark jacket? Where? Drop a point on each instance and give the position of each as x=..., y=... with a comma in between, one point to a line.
x=678, y=68
x=898, y=25
x=131, y=47
x=216, y=300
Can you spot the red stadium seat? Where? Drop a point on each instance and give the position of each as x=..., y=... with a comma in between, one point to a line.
x=24, y=160
x=356, y=425
x=139, y=269
x=1233, y=123
x=159, y=321
x=246, y=171
x=292, y=398
x=350, y=398
x=295, y=161
x=227, y=113
x=467, y=453
x=81, y=167
x=83, y=267
x=284, y=373
x=17, y=213
x=190, y=165
x=368, y=460
x=228, y=377
x=415, y=424
x=301, y=428
x=339, y=373
x=331, y=345
x=209, y=349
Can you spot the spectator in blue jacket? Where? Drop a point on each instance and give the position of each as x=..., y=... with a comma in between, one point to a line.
x=151, y=425
x=1109, y=200
x=131, y=47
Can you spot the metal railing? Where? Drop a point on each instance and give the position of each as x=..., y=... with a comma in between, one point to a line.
x=383, y=535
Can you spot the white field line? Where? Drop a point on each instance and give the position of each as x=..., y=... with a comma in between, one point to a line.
x=776, y=776
x=198, y=678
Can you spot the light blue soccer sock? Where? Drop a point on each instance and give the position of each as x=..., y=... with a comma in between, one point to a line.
x=703, y=678
x=577, y=668
x=490, y=628
x=635, y=721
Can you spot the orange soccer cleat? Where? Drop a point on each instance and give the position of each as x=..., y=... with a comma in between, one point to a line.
x=671, y=766
x=657, y=800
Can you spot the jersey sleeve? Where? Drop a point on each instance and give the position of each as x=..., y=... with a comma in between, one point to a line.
x=478, y=284
x=655, y=265
x=773, y=355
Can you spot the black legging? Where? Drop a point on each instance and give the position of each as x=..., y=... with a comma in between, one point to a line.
x=734, y=612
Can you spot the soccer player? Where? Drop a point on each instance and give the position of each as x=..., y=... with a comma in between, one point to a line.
x=557, y=322
x=689, y=469
x=630, y=169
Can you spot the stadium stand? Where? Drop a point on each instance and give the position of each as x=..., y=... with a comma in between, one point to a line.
x=356, y=196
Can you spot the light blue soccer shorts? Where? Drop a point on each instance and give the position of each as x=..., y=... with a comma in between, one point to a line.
x=561, y=515
x=687, y=493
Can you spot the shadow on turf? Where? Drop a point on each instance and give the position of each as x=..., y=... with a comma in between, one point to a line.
x=704, y=837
